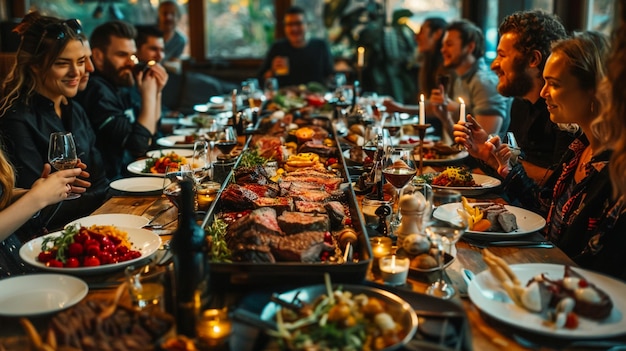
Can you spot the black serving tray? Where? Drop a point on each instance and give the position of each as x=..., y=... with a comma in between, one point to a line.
x=246, y=273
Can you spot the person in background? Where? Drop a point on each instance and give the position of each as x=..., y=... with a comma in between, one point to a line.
x=297, y=59
x=524, y=47
x=605, y=249
x=36, y=102
x=89, y=68
x=175, y=42
x=429, y=41
x=122, y=136
x=463, y=49
x=577, y=195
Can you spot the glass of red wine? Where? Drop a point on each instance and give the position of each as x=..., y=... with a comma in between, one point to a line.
x=399, y=169
x=62, y=154
x=227, y=141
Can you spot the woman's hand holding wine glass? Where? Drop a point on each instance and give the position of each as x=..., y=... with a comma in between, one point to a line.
x=62, y=155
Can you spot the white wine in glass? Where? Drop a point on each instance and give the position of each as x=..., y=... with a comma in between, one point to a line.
x=62, y=154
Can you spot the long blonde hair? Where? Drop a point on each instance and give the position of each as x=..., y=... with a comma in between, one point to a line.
x=7, y=181
x=611, y=125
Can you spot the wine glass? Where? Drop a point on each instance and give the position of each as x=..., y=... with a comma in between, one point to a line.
x=62, y=154
x=226, y=141
x=201, y=160
x=444, y=235
x=399, y=169
x=174, y=174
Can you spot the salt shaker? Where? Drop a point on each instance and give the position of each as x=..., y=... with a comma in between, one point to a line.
x=415, y=209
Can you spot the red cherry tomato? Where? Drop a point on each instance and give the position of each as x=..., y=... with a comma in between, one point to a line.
x=91, y=261
x=75, y=249
x=92, y=250
x=54, y=263
x=572, y=321
x=72, y=262
x=45, y=256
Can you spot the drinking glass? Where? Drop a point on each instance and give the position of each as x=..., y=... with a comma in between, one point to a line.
x=227, y=141
x=174, y=174
x=509, y=138
x=201, y=160
x=270, y=88
x=443, y=235
x=399, y=168
x=62, y=154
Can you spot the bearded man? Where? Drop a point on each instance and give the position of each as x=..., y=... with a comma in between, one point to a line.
x=121, y=134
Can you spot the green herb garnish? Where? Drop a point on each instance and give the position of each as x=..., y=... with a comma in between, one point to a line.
x=219, y=251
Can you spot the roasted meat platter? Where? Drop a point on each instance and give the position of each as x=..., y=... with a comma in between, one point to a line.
x=294, y=217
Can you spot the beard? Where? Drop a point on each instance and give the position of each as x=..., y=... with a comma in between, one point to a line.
x=520, y=82
x=122, y=76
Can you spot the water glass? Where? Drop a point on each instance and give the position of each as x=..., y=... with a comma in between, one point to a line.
x=146, y=287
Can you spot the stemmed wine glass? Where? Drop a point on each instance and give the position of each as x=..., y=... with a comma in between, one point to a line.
x=226, y=141
x=62, y=154
x=174, y=174
x=399, y=169
x=444, y=235
x=201, y=160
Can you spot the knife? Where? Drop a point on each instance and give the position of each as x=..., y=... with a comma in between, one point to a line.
x=527, y=243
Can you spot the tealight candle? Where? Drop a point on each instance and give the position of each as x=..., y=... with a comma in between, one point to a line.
x=462, y=113
x=360, y=56
x=422, y=110
x=213, y=327
x=381, y=246
x=394, y=270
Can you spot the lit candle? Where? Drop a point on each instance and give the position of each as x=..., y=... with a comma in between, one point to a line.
x=462, y=113
x=214, y=327
x=394, y=270
x=422, y=110
x=381, y=246
x=360, y=57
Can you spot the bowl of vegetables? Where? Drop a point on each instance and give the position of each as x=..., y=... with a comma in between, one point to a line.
x=340, y=317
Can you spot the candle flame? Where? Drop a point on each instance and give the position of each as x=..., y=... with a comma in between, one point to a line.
x=422, y=97
x=461, y=100
x=361, y=50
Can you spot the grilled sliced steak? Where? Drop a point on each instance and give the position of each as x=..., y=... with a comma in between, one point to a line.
x=254, y=175
x=309, y=206
x=336, y=213
x=507, y=221
x=260, y=221
x=280, y=204
x=236, y=197
x=318, y=148
x=297, y=222
x=301, y=247
x=263, y=190
x=329, y=184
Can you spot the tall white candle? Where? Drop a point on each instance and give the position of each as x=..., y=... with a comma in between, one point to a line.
x=360, y=56
x=462, y=113
x=422, y=110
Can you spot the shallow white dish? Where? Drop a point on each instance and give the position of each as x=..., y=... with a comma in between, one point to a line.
x=174, y=141
x=527, y=221
x=434, y=161
x=137, y=167
x=161, y=152
x=34, y=294
x=142, y=240
x=509, y=313
x=116, y=219
x=484, y=182
x=140, y=184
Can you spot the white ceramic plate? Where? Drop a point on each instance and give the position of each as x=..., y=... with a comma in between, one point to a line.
x=484, y=182
x=161, y=152
x=140, y=184
x=116, y=219
x=174, y=141
x=434, y=161
x=527, y=221
x=518, y=317
x=143, y=241
x=34, y=294
x=137, y=167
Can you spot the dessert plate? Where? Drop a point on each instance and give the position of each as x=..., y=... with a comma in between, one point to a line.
x=518, y=317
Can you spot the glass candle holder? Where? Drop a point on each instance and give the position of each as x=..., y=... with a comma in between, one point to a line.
x=213, y=327
x=394, y=269
x=381, y=246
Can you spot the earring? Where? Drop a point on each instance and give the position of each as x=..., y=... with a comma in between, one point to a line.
x=592, y=107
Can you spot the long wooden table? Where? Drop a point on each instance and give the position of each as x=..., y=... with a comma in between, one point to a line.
x=485, y=336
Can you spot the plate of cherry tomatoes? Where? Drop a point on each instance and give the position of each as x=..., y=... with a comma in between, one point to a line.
x=90, y=250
